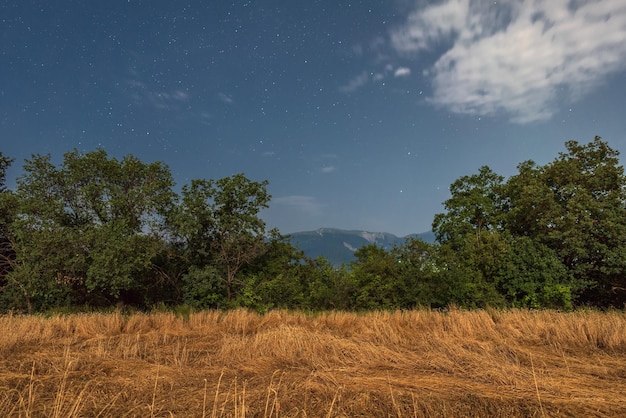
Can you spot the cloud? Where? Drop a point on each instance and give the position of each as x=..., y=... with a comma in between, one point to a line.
x=179, y=95
x=306, y=204
x=225, y=98
x=354, y=84
x=328, y=169
x=167, y=100
x=516, y=56
x=357, y=50
x=402, y=72
x=160, y=99
x=426, y=27
x=365, y=77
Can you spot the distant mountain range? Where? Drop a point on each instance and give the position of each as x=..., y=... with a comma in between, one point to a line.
x=338, y=245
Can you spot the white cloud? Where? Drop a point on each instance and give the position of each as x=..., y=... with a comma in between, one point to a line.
x=429, y=25
x=328, y=169
x=402, y=72
x=517, y=56
x=365, y=77
x=306, y=204
x=354, y=84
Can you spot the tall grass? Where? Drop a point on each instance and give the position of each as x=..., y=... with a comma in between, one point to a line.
x=289, y=364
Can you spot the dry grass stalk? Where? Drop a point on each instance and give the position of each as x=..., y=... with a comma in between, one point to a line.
x=290, y=364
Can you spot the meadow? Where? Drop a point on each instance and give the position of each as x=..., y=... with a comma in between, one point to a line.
x=291, y=364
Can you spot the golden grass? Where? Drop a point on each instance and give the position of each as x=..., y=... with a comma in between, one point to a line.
x=290, y=364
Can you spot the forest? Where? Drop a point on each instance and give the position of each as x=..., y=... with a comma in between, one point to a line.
x=95, y=232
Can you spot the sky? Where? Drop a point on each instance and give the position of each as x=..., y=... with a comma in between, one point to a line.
x=360, y=114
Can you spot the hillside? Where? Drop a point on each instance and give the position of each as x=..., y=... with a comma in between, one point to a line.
x=338, y=245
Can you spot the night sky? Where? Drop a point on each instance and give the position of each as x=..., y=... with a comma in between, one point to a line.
x=359, y=113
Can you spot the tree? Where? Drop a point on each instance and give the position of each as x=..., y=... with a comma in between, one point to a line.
x=474, y=208
x=469, y=234
x=530, y=275
x=5, y=163
x=418, y=268
x=7, y=213
x=86, y=230
x=6, y=202
x=279, y=278
x=239, y=233
x=545, y=236
x=575, y=206
x=217, y=224
x=331, y=287
x=376, y=274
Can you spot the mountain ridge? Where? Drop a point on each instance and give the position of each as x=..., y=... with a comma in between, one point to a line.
x=339, y=245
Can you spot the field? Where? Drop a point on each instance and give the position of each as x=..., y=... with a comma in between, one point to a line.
x=289, y=364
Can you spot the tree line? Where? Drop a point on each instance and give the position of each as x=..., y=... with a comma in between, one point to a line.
x=96, y=232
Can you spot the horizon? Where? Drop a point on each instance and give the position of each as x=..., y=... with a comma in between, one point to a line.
x=317, y=230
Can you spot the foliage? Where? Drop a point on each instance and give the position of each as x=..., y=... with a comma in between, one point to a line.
x=576, y=206
x=276, y=279
x=98, y=232
x=88, y=228
x=5, y=163
x=528, y=274
x=376, y=278
x=217, y=223
x=474, y=208
x=549, y=234
x=7, y=215
x=419, y=266
x=330, y=287
x=203, y=288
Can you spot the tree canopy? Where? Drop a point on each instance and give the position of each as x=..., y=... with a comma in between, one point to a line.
x=572, y=210
x=97, y=231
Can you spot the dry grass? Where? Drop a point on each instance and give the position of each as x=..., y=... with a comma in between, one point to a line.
x=288, y=364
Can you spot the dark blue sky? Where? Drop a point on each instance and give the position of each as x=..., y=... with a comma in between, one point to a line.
x=360, y=114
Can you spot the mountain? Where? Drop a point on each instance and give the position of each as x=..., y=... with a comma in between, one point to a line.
x=338, y=245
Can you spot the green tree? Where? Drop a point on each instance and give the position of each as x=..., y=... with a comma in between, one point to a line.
x=86, y=230
x=465, y=277
x=545, y=236
x=530, y=275
x=6, y=202
x=203, y=287
x=376, y=273
x=575, y=206
x=469, y=233
x=7, y=206
x=7, y=215
x=474, y=208
x=437, y=275
x=239, y=233
x=331, y=287
x=5, y=163
x=276, y=279
x=217, y=224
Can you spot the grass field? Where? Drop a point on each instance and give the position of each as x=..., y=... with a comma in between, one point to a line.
x=290, y=364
